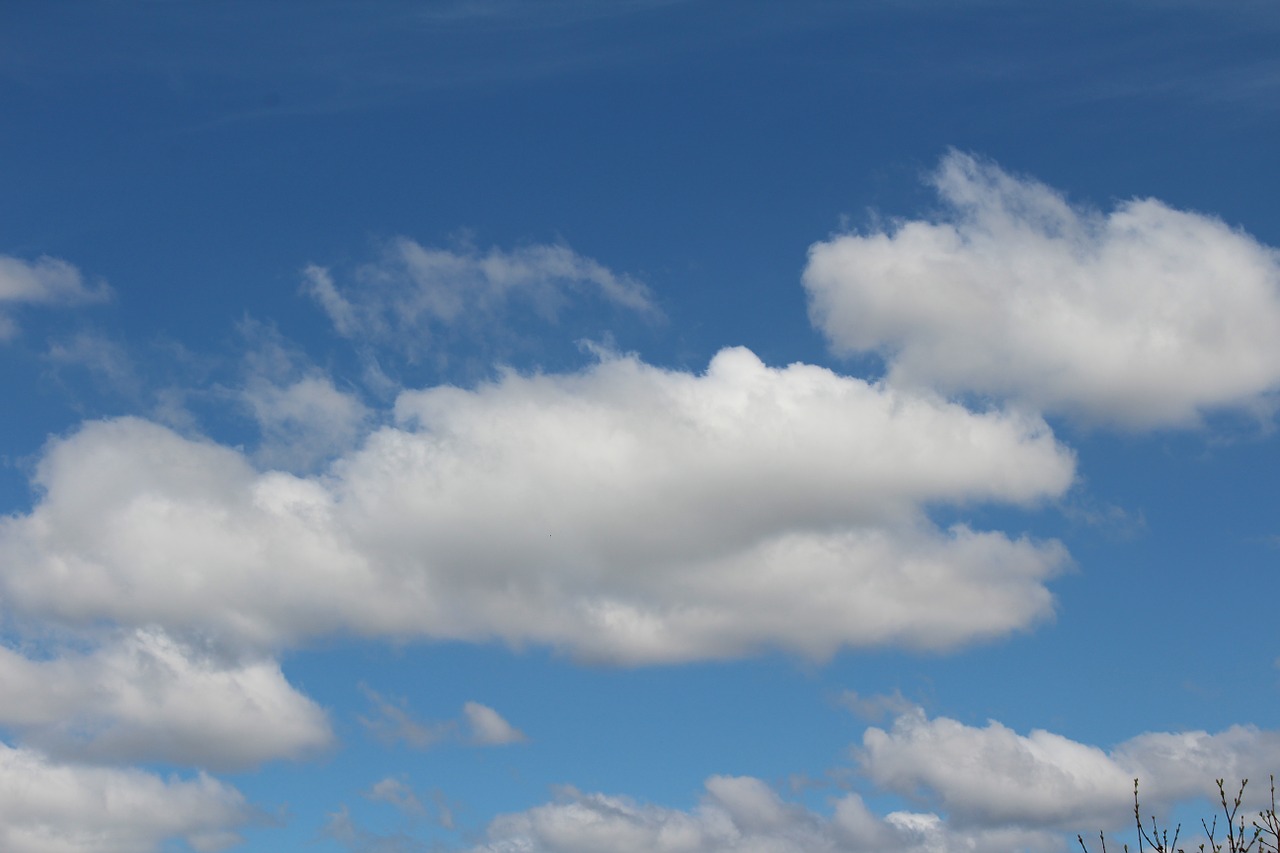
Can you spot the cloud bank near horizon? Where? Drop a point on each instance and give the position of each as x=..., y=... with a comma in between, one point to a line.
x=981, y=790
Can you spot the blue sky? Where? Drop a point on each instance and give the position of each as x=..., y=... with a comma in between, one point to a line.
x=655, y=425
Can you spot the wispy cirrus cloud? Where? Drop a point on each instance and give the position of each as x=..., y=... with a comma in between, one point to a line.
x=342, y=829
x=392, y=722
x=479, y=725
x=398, y=794
x=414, y=296
x=45, y=281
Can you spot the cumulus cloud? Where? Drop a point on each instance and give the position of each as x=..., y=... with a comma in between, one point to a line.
x=1145, y=316
x=413, y=291
x=622, y=513
x=986, y=790
x=45, y=281
x=147, y=697
x=488, y=728
x=738, y=814
x=48, y=807
x=993, y=776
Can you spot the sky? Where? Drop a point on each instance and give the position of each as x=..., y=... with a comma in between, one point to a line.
x=692, y=426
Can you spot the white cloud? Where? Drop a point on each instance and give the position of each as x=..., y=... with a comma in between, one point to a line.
x=414, y=292
x=488, y=728
x=993, y=776
x=623, y=513
x=45, y=281
x=319, y=285
x=1147, y=316
x=47, y=807
x=736, y=815
x=146, y=697
x=987, y=790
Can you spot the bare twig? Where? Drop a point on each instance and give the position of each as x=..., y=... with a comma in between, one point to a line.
x=1264, y=837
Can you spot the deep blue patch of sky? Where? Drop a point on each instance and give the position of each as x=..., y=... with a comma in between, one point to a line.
x=197, y=157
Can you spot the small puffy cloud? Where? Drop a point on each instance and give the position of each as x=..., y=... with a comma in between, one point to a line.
x=738, y=814
x=414, y=292
x=993, y=776
x=488, y=728
x=1143, y=317
x=48, y=807
x=45, y=281
x=622, y=513
x=146, y=697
